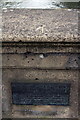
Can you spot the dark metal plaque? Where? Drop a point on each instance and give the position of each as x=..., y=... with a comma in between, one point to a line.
x=40, y=93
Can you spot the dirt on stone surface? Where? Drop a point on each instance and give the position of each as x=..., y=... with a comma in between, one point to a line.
x=40, y=25
x=31, y=25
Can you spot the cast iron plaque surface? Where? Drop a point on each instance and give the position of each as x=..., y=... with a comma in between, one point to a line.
x=40, y=93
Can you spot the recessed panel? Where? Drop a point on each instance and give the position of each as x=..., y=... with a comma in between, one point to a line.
x=40, y=93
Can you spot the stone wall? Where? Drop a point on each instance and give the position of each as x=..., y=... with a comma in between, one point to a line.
x=44, y=63
x=40, y=46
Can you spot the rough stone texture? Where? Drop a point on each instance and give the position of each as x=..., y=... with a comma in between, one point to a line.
x=16, y=67
x=10, y=110
x=42, y=119
x=22, y=64
x=40, y=25
x=39, y=111
x=40, y=57
x=42, y=61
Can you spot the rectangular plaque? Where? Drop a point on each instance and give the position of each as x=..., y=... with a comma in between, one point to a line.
x=40, y=93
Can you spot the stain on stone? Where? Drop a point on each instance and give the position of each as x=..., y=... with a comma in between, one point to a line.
x=45, y=55
x=36, y=79
x=27, y=53
x=15, y=51
x=28, y=61
x=79, y=61
x=72, y=62
x=26, y=56
x=20, y=41
x=32, y=59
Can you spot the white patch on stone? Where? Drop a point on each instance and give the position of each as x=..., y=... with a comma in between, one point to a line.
x=41, y=56
x=11, y=10
x=69, y=9
x=5, y=10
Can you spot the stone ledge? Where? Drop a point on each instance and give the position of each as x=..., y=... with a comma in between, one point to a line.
x=40, y=25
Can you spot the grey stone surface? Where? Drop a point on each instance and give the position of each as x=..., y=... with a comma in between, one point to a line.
x=34, y=61
x=21, y=64
x=40, y=25
x=22, y=75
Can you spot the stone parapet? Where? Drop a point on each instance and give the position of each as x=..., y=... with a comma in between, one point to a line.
x=40, y=25
x=40, y=46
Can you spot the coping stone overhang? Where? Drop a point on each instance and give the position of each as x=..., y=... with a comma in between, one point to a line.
x=40, y=25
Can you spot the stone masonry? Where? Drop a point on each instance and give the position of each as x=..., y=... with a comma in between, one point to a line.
x=40, y=46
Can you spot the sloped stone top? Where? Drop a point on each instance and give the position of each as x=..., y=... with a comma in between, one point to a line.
x=40, y=25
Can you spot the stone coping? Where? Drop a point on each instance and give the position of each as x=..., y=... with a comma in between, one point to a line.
x=57, y=25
